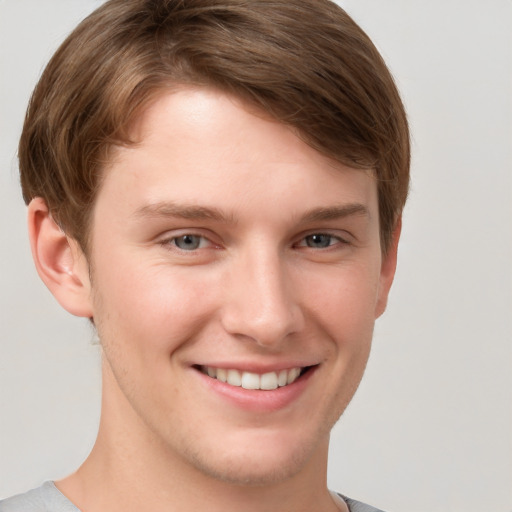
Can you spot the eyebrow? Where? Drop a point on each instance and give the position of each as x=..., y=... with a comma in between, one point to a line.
x=336, y=212
x=182, y=211
x=192, y=212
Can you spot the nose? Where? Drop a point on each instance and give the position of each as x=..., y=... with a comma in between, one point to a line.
x=260, y=303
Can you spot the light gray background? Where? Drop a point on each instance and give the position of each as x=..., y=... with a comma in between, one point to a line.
x=431, y=426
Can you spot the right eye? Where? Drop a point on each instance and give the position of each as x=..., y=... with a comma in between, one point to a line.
x=189, y=242
x=320, y=240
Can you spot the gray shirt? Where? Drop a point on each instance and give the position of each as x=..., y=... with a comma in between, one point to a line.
x=48, y=498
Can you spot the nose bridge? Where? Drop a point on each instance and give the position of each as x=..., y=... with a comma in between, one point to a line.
x=260, y=302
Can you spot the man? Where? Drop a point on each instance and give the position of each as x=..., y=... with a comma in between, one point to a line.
x=218, y=187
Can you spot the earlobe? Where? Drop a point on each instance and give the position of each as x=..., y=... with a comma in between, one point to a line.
x=59, y=261
x=388, y=268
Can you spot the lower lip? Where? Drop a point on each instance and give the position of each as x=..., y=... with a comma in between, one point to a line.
x=256, y=400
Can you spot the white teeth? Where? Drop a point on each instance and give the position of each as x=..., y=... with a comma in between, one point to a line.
x=222, y=374
x=282, y=380
x=269, y=380
x=234, y=378
x=249, y=380
x=292, y=375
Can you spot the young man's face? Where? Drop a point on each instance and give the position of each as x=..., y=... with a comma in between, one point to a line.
x=223, y=247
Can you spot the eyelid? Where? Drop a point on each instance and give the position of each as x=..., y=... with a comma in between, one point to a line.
x=168, y=237
x=202, y=242
x=343, y=239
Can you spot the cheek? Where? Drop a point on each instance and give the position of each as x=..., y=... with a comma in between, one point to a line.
x=148, y=309
x=343, y=299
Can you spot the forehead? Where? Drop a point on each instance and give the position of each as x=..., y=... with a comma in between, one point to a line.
x=220, y=121
x=206, y=148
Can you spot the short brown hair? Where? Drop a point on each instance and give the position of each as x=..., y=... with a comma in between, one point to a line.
x=304, y=62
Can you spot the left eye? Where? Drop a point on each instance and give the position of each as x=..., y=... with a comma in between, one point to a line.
x=319, y=241
x=189, y=242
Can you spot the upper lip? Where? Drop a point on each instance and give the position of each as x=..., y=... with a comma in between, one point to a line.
x=256, y=368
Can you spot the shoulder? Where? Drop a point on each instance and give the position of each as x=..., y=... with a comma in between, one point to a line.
x=46, y=498
x=353, y=505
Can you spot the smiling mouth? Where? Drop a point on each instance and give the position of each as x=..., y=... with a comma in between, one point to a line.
x=249, y=380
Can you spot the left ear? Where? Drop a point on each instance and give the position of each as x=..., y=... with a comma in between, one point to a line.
x=387, y=270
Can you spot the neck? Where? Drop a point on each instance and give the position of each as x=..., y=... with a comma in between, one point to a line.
x=129, y=469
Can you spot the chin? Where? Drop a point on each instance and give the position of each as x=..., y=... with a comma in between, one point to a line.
x=260, y=461
x=250, y=472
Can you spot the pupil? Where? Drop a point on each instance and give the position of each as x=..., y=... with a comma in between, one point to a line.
x=319, y=240
x=187, y=242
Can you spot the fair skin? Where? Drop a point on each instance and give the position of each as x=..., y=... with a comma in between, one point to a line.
x=222, y=247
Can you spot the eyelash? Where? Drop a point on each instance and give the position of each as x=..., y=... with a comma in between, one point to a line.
x=173, y=241
x=333, y=240
x=203, y=242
